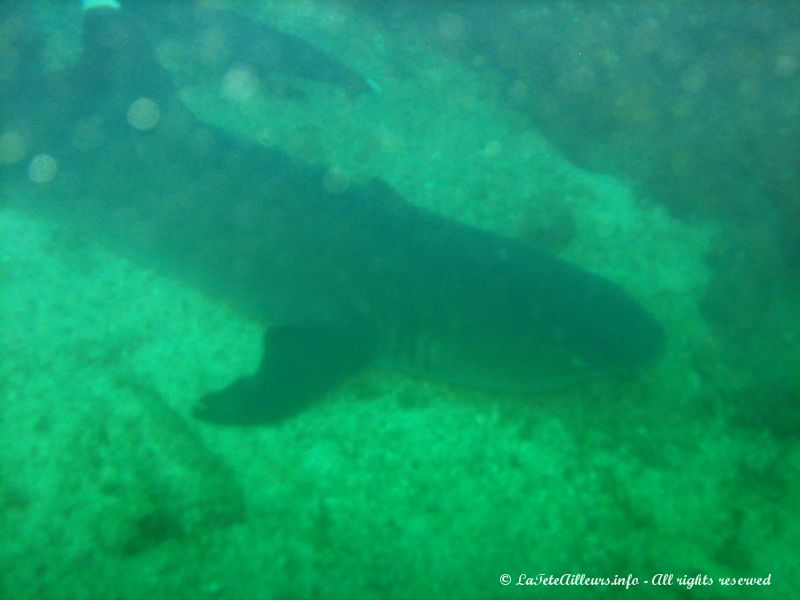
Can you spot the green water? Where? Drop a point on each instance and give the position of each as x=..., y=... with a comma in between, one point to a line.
x=395, y=486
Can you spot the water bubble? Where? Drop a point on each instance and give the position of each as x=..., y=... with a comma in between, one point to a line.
x=144, y=114
x=693, y=79
x=12, y=148
x=785, y=65
x=492, y=149
x=239, y=84
x=335, y=181
x=451, y=27
x=518, y=92
x=43, y=168
x=88, y=134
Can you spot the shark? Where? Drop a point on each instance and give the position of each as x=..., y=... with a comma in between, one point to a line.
x=342, y=277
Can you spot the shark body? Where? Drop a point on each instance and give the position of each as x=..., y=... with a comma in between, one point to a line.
x=342, y=276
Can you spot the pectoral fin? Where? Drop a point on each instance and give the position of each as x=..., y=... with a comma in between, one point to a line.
x=299, y=365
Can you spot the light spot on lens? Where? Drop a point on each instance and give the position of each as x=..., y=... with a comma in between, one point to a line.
x=693, y=79
x=239, y=84
x=12, y=148
x=492, y=149
x=451, y=27
x=143, y=114
x=43, y=168
x=88, y=134
x=786, y=65
x=335, y=181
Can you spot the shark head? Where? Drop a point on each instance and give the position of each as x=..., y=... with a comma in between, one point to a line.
x=520, y=319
